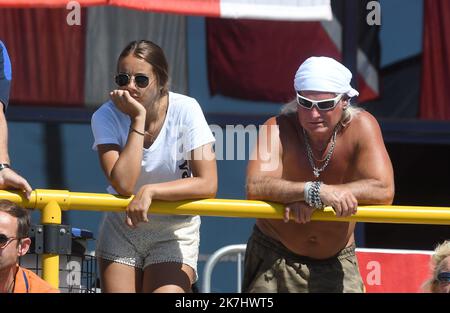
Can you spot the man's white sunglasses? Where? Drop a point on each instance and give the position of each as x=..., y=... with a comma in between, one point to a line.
x=323, y=105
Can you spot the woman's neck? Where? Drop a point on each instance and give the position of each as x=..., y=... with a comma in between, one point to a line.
x=156, y=112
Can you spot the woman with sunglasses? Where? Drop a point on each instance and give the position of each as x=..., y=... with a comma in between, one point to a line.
x=440, y=264
x=328, y=153
x=157, y=145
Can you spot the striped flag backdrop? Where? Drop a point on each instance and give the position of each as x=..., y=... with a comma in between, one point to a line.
x=257, y=60
x=264, y=9
x=57, y=64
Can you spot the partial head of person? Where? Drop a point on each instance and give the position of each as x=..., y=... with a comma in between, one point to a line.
x=14, y=240
x=323, y=93
x=440, y=264
x=142, y=69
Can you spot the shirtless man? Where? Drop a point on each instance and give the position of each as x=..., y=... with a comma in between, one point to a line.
x=329, y=154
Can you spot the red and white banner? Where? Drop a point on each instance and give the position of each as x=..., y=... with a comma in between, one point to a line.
x=47, y=3
x=402, y=271
x=294, y=10
x=55, y=64
x=257, y=60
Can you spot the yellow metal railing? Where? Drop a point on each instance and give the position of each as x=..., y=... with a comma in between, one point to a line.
x=51, y=202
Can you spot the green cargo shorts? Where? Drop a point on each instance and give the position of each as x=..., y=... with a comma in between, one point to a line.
x=271, y=267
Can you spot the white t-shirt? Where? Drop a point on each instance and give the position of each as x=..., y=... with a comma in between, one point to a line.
x=184, y=129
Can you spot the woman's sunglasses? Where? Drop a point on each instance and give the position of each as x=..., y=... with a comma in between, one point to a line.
x=444, y=277
x=5, y=240
x=140, y=80
x=323, y=105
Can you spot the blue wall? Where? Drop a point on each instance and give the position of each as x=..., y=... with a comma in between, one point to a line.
x=401, y=29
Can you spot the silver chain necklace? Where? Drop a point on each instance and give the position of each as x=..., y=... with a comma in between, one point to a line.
x=317, y=171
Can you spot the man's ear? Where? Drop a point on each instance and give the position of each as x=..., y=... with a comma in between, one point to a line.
x=24, y=245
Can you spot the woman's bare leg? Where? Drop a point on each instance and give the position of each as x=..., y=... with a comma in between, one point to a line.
x=168, y=277
x=117, y=277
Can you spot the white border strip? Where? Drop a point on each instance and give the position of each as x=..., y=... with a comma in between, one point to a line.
x=394, y=251
x=276, y=10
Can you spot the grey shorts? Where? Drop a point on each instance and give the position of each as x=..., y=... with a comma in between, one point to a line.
x=166, y=238
x=271, y=267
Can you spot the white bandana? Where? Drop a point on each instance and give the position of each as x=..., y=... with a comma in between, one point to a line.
x=324, y=74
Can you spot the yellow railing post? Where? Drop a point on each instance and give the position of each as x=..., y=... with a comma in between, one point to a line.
x=51, y=214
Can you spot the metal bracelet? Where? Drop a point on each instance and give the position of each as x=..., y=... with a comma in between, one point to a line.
x=316, y=202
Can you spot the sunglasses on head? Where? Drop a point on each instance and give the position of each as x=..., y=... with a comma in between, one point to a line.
x=444, y=277
x=140, y=80
x=323, y=105
x=5, y=240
